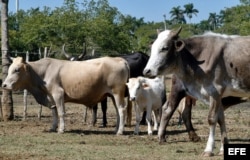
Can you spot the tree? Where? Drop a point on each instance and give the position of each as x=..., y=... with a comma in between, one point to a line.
x=221, y=17
x=177, y=15
x=190, y=11
x=245, y=2
x=6, y=99
x=213, y=20
x=204, y=25
x=236, y=20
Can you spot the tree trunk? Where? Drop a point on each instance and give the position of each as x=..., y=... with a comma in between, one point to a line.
x=6, y=99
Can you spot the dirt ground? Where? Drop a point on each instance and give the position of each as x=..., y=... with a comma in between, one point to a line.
x=30, y=139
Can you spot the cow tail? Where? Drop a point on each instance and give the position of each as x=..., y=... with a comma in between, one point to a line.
x=128, y=70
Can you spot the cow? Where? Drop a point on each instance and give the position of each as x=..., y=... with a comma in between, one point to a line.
x=82, y=57
x=211, y=66
x=136, y=61
x=148, y=95
x=54, y=82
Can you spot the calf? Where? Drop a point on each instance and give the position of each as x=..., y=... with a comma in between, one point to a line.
x=147, y=95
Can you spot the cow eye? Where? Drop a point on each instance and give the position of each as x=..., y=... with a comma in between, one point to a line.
x=165, y=48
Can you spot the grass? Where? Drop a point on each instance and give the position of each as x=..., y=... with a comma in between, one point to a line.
x=29, y=139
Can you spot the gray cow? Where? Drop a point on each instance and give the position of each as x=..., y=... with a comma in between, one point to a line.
x=211, y=66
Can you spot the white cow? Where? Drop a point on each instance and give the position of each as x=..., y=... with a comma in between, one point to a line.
x=147, y=94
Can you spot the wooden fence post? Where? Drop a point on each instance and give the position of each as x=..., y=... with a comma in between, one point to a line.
x=25, y=92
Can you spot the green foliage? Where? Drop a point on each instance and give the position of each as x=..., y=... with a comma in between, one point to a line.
x=236, y=20
x=103, y=28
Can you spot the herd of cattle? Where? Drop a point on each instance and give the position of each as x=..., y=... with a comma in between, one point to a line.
x=210, y=67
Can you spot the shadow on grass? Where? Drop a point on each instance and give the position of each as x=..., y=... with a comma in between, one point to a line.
x=110, y=132
x=240, y=140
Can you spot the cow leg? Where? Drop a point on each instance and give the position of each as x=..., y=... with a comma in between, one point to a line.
x=148, y=119
x=214, y=109
x=143, y=120
x=167, y=112
x=186, y=117
x=155, y=114
x=94, y=114
x=174, y=98
x=129, y=112
x=121, y=112
x=59, y=100
x=61, y=113
x=104, y=112
x=221, y=121
x=55, y=119
x=137, y=119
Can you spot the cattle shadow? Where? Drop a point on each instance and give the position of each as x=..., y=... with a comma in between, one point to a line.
x=176, y=132
x=247, y=140
x=112, y=132
x=96, y=132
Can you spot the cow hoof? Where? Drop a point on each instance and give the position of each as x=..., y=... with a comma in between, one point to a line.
x=194, y=137
x=60, y=132
x=119, y=133
x=52, y=130
x=162, y=141
x=207, y=154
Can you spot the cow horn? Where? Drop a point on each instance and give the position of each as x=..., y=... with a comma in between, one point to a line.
x=178, y=31
x=65, y=54
x=174, y=34
x=80, y=57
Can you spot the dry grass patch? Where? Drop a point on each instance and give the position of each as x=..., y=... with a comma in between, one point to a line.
x=29, y=139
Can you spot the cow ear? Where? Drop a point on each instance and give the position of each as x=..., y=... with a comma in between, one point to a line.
x=141, y=79
x=179, y=45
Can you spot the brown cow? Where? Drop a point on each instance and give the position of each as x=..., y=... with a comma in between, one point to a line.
x=53, y=82
x=210, y=66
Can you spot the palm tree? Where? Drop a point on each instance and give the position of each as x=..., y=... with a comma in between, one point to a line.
x=213, y=20
x=177, y=15
x=221, y=17
x=190, y=11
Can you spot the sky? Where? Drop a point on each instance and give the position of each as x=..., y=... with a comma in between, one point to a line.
x=150, y=10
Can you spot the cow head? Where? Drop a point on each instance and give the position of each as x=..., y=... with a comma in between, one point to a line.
x=17, y=75
x=135, y=86
x=163, y=53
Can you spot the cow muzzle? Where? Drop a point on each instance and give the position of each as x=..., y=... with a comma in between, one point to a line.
x=148, y=73
x=6, y=86
x=132, y=98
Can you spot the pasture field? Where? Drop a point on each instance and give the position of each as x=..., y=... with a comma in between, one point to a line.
x=30, y=139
